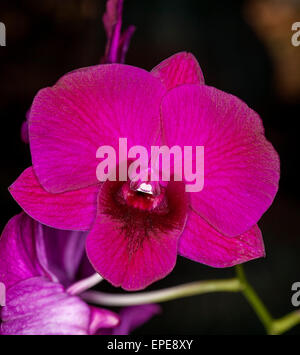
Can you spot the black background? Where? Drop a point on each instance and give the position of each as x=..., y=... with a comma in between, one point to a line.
x=46, y=39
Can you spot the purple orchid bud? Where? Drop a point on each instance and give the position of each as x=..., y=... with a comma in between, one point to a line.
x=117, y=43
x=24, y=129
x=116, y=47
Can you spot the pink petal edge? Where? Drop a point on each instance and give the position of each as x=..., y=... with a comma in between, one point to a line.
x=181, y=68
x=202, y=243
x=73, y=210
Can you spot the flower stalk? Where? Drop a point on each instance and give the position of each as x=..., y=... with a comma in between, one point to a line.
x=83, y=285
x=272, y=326
x=253, y=299
x=237, y=284
x=282, y=325
x=187, y=290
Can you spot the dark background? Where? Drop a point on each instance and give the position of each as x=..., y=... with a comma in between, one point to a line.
x=46, y=39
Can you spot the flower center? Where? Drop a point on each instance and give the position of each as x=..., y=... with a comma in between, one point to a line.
x=141, y=210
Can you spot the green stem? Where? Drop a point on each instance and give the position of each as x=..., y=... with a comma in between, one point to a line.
x=282, y=325
x=238, y=284
x=85, y=284
x=190, y=289
x=272, y=326
x=253, y=299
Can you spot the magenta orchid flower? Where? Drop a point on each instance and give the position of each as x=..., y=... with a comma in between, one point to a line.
x=37, y=267
x=133, y=240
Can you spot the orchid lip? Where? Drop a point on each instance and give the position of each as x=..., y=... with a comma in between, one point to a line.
x=134, y=231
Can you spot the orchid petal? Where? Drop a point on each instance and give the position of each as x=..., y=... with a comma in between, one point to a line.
x=135, y=316
x=181, y=68
x=102, y=318
x=241, y=168
x=38, y=306
x=73, y=210
x=87, y=109
x=18, y=257
x=202, y=243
